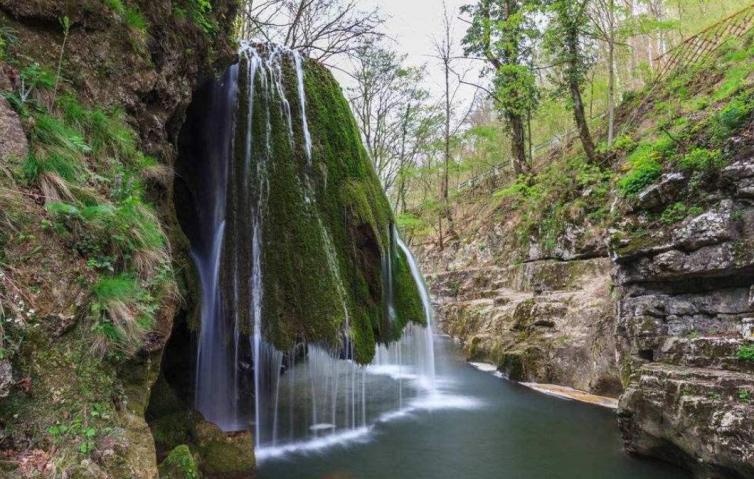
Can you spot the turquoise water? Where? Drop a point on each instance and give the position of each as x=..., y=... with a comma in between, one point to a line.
x=479, y=427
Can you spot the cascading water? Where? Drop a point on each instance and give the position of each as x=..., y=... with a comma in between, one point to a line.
x=312, y=395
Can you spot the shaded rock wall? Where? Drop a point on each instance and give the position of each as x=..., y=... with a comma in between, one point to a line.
x=684, y=315
x=149, y=71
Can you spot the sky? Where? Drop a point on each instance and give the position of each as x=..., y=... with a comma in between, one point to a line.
x=414, y=25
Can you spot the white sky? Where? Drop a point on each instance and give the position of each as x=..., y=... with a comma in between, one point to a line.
x=414, y=25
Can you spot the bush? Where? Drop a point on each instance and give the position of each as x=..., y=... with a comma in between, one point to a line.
x=746, y=353
x=701, y=159
x=645, y=169
x=731, y=118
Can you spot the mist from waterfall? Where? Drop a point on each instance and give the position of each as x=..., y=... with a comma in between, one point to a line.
x=312, y=395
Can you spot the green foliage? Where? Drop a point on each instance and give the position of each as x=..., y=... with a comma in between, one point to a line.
x=130, y=15
x=731, y=118
x=134, y=19
x=76, y=431
x=7, y=37
x=644, y=168
x=624, y=143
x=180, y=464
x=746, y=353
x=678, y=212
x=413, y=225
x=516, y=89
x=744, y=395
x=199, y=12
x=563, y=192
x=701, y=159
x=123, y=312
x=502, y=33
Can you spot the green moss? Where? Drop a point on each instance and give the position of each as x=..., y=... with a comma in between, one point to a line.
x=408, y=302
x=746, y=353
x=322, y=264
x=180, y=464
x=222, y=454
x=511, y=364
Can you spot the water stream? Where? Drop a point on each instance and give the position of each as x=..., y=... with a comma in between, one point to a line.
x=479, y=427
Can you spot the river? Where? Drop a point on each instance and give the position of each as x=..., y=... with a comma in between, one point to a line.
x=478, y=426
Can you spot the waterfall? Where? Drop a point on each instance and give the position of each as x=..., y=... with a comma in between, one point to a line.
x=312, y=395
x=428, y=345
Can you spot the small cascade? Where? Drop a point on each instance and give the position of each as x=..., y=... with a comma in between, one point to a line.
x=312, y=395
x=428, y=348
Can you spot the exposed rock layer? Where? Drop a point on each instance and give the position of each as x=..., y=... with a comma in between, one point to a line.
x=684, y=316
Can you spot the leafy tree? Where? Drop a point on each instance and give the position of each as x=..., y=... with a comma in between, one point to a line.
x=503, y=33
x=566, y=41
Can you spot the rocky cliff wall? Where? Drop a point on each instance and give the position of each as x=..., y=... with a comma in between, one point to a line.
x=684, y=324
x=545, y=320
x=91, y=261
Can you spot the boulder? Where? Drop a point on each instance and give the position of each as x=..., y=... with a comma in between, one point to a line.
x=661, y=193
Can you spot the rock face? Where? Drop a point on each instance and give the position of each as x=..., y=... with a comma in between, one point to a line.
x=145, y=66
x=548, y=321
x=684, y=318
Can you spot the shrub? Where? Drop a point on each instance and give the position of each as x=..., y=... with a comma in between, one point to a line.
x=701, y=159
x=746, y=353
x=644, y=170
x=731, y=118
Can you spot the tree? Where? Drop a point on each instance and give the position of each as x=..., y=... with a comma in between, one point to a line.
x=605, y=22
x=502, y=33
x=566, y=41
x=392, y=111
x=322, y=29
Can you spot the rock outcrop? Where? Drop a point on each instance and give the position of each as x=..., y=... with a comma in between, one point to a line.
x=548, y=320
x=684, y=319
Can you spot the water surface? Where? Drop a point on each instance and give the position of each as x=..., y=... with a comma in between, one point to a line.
x=479, y=427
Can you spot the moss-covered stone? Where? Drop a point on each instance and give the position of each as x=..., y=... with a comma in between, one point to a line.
x=180, y=464
x=327, y=222
x=225, y=455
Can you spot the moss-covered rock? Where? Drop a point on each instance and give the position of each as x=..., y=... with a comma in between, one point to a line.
x=74, y=406
x=327, y=222
x=224, y=455
x=180, y=464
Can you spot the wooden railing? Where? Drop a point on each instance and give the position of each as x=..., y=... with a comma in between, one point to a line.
x=698, y=48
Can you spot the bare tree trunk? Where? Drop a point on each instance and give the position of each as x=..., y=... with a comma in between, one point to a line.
x=446, y=179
